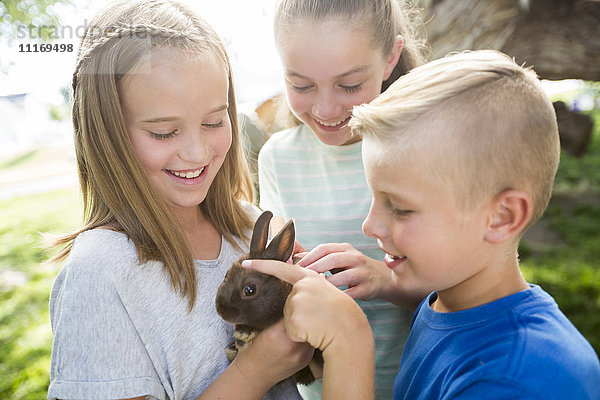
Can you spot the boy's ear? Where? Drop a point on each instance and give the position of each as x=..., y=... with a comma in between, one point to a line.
x=510, y=213
x=393, y=57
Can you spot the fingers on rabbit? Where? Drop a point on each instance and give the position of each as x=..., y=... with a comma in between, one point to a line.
x=249, y=297
x=286, y=272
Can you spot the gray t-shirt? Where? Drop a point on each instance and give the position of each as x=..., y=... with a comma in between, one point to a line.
x=121, y=331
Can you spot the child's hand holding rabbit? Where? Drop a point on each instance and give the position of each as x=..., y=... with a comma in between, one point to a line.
x=278, y=356
x=322, y=315
x=253, y=301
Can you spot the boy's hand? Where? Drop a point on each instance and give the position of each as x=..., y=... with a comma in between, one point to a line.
x=365, y=277
x=316, y=312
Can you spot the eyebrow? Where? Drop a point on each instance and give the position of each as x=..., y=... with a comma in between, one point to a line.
x=167, y=119
x=396, y=197
x=355, y=70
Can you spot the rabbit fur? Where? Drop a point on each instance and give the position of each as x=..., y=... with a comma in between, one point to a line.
x=253, y=301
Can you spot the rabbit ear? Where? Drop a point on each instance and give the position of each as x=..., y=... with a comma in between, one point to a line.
x=260, y=234
x=282, y=245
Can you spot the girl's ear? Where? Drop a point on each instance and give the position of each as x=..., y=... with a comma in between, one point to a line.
x=393, y=57
x=510, y=213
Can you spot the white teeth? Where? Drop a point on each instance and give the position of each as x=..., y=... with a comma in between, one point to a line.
x=189, y=174
x=331, y=123
x=395, y=257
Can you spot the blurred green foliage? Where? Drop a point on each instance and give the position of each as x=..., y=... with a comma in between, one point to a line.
x=25, y=334
x=36, y=19
x=570, y=269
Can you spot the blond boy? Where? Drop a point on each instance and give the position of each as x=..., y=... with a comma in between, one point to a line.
x=460, y=155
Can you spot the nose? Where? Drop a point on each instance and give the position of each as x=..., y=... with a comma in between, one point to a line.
x=225, y=310
x=326, y=105
x=194, y=147
x=373, y=226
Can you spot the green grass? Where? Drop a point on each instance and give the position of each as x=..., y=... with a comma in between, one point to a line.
x=19, y=159
x=25, y=334
x=569, y=270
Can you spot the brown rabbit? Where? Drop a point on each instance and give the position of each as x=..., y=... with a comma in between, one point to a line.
x=253, y=301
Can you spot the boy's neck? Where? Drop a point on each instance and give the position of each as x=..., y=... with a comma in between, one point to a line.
x=488, y=285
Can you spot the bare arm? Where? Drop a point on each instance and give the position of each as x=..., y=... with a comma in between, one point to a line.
x=271, y=357
x=318, y=313
x=236, y=382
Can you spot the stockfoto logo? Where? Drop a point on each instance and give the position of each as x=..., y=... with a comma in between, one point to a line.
x=67, y=32
x=63, y=32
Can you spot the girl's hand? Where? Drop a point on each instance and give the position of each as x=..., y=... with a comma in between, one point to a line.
x=273, y=356
x=315, y=312
x=318, y=313
x=270, y=358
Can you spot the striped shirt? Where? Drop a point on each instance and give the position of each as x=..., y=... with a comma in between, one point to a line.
x=324, y=189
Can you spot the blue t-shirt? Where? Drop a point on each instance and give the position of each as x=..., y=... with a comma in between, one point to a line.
x=518, y=347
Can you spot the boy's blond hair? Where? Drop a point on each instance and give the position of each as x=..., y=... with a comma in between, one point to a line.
x=494, y=127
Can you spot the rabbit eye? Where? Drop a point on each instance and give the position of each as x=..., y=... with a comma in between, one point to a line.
x=249, y=290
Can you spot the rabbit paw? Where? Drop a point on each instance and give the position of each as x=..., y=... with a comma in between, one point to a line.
x=231, y=351
x=243, y=335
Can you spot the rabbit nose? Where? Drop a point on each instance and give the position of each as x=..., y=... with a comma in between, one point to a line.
x=226, y=311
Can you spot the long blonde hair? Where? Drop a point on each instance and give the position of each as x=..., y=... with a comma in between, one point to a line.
x=116, y=190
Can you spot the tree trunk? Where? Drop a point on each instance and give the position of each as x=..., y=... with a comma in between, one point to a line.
x=559, y=38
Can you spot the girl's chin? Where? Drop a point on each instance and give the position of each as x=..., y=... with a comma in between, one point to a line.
x=185, y=205
x=185, y=200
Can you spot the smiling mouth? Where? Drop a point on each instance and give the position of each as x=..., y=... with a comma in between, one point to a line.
x=393, y=257
x=392, y=261
x=190, y=174
x=334, y=124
